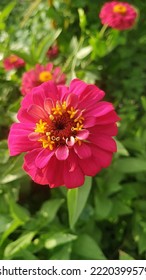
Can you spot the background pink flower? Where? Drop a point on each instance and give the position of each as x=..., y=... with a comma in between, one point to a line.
x=66, y=133
x=12, y=62
x=118, y=15
x=53, y=51
x=41, y=74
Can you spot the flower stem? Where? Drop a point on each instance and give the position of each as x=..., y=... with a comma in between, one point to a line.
x=102, y=31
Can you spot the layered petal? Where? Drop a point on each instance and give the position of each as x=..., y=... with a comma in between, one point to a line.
x=18, y=140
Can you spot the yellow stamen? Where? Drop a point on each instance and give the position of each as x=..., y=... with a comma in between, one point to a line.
x=51, y=117
x=41, y=127
x=78, y=141
x=78, y=127
x=80, y=120
x=120, y=9
x=59, y=109
x=72, y=112
x=47, y=143
x=45, y=76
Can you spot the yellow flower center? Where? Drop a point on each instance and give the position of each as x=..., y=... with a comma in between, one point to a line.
x=45, y=76
x=13, y=58
x=120, y=9
x=61, y=127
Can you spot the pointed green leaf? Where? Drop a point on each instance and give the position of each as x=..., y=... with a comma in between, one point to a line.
x=50, y=208
x=21, y=243
x=85, y=246
x=59, y=238
x=76, y=200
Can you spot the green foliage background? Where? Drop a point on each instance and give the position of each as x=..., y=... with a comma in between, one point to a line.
x=106, y=218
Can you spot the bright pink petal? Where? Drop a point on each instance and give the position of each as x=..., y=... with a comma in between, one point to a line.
x=104, y=141
x=34, y=136
x=54, y=179
x=35, y=173
x=48, y=104
x=25, y=118
x=72, y=100
x=104, y=157
x=110, y=117
x=62, y=92
x=37, y=112
x=73, y=179
x=18, y=140
x=109, y=129
x=83, y=150
x=62, y=152
x=38, y=96
x=51, y=90
x=100, y=109
x=90, y=167
x=49, y=67
x=43, y=158
x=89, y=122
x=77, y=87
x=83, y=134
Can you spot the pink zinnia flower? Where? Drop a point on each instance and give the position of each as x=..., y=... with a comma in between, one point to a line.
x=66, y=133
x=118, y=15
x=41, y=74
x=12, y=62
x=53, y=51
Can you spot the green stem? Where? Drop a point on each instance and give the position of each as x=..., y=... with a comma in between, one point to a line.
x=102, y=31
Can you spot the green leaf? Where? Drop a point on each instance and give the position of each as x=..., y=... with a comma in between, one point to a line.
x=82, y=19
x=143, y=101
x=13, y=171
x=103, y=206
x=119, y=208
x=26, y=255
x=85, y=246
x=11, y=227
x=7, y=10
x=59, y=238
x=45, y=215
x=82, y=53
x=130, y=165
x=45, y=44
x=121, y=150
x=76, y=200
x=4, y=222
x=18, y=212
x=50, y=208
x=63, y=253
x=21, y=243
x=4, y=153
x=124, y=256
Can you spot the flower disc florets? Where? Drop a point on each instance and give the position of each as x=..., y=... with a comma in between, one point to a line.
x=13, y=62
x=61, y=126
x=66, y=133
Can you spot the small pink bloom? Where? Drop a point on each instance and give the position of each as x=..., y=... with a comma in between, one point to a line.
x=41, y=74
x=118, y=15
x=66, y=133
x=12, y=62
x=53, y=51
